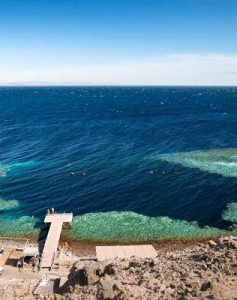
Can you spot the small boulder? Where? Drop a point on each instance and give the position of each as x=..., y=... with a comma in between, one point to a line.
x=212, y=243
x=105, y=289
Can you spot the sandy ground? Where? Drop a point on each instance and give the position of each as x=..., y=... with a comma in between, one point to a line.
x=87, y=248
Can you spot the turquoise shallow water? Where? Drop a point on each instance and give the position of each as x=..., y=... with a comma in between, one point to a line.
x=122, y=226
x=129, y=226
x=8, y=204
x=216, y=161
x=21, y=226
x=130, y=163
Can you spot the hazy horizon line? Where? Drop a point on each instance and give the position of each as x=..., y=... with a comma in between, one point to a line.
x=49, y=84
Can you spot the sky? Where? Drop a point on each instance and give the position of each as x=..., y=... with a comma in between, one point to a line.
x=118, y=42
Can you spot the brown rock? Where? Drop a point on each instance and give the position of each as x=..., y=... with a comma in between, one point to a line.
x=58, y=297
x=105, y=289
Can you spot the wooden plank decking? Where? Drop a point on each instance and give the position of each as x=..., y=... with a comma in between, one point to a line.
x=52, y=240
x=112, y=252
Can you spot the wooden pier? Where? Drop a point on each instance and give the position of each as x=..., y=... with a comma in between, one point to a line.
x=52, y=240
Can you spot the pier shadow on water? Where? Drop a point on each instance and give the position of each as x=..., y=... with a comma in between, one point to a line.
x=44, y=228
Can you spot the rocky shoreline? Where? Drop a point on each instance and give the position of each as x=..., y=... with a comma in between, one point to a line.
x=202, y=270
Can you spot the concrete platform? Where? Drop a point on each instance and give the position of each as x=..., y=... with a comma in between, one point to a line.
x=112, y=252
x=52, y=240
x=62, y=218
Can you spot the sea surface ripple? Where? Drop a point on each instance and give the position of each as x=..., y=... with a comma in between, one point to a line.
x=119, y=158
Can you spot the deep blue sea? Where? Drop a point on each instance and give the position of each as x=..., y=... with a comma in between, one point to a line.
x=129, y=162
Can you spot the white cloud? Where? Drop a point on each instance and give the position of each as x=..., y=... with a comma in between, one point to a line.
x=173, y=69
